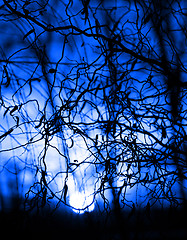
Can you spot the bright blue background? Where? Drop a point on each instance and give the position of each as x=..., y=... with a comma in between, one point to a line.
x=21, y=167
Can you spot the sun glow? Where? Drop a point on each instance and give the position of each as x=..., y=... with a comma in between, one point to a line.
x=80, y=202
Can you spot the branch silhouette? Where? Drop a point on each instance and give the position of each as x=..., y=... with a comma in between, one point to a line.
x=102, y=87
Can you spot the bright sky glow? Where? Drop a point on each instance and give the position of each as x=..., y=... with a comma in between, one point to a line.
x=80, y=201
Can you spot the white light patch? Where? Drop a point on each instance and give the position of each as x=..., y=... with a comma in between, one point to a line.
x=81, y=202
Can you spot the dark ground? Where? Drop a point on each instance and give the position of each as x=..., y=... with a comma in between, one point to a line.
x=158, y=224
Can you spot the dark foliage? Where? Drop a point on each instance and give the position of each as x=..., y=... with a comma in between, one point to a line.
x=161, y=224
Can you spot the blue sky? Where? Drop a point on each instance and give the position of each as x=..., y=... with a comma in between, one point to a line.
x=52, y=69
